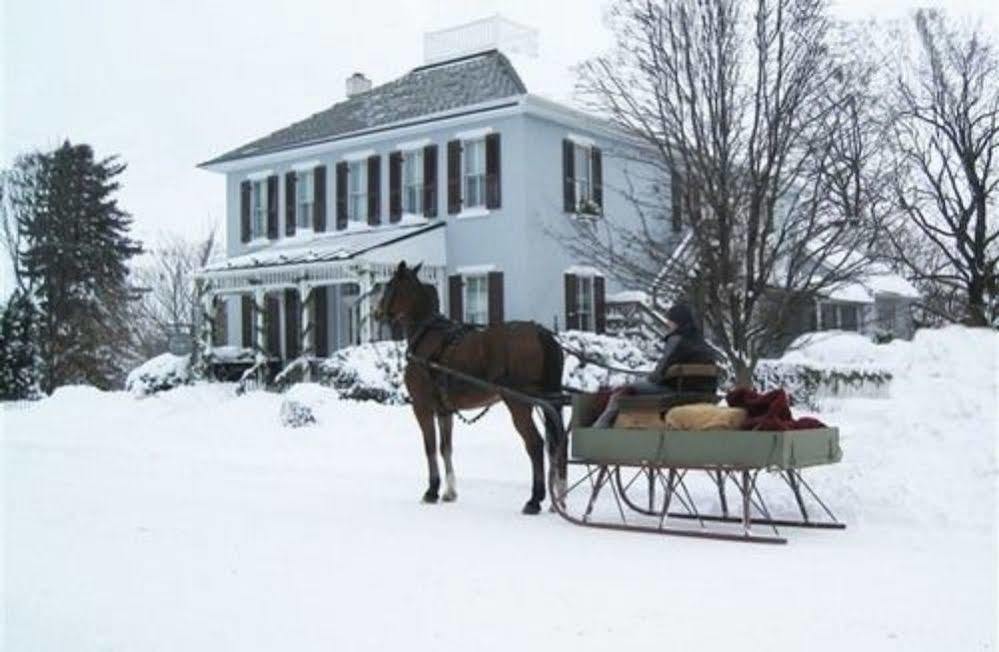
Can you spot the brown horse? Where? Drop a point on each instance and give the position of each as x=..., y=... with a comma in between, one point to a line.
x=521, y=356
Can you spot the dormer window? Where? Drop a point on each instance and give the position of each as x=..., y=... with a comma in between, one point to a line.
x=305, y=191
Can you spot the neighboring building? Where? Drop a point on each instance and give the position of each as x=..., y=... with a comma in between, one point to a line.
x=455, y=165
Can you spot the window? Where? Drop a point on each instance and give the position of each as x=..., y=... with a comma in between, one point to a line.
x=886, y=316
x=584, y=176
x=584, y=302
x=412, y=182
x=841, y=316
x=258, y=209
x=305, y=198
x=476, y=300
x=357, y=180
x=474, y=164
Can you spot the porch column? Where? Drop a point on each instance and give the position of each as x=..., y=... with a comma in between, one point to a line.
x=208, y=322
x=366, y=282
x=259, y=336
x=307, y=339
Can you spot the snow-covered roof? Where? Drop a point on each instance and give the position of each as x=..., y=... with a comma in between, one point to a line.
x=324, y=247
x=879, y=282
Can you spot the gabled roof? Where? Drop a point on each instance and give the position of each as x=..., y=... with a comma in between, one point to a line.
x=426, y=90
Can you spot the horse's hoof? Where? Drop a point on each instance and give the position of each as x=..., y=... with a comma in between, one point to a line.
x=430, y=498
x=450, y=496
x=531, y=508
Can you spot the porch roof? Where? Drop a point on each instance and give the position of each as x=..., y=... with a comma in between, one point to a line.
x=330, y=247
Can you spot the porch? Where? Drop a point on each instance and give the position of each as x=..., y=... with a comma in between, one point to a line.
x=298, y=303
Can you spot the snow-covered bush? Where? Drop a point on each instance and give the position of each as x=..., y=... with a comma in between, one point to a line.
x=368, y=372
x=295, y=414
x=159, y=374
x=607, y=350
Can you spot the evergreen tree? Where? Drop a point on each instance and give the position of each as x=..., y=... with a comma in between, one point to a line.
x=18, y=355
x=73, y=260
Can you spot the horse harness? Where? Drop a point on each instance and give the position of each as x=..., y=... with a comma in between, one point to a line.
x=452, y=332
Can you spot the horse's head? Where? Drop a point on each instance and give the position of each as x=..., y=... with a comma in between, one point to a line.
x=403, y=298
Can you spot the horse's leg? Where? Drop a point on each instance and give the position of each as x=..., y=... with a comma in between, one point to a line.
x=535, y=446
x=425, y=417
x=445, y=424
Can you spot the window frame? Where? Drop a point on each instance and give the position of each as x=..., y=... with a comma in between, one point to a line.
x=836, y=312
x=305, y=205
x=481, y=281
x=258, y=209
x=583, y=155
x=412, y=182
x=478, y=147
x=585, y=289
x=357, y=171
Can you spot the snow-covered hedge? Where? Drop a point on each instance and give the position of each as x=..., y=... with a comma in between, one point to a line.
x=611, y=351
x=369, y=372
x=159, y=374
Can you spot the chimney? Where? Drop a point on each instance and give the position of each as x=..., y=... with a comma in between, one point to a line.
x=357, y=83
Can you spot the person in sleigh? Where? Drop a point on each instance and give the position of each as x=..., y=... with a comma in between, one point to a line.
x=684, y=344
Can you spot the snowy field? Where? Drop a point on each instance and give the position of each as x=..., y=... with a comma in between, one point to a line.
x=192, y=520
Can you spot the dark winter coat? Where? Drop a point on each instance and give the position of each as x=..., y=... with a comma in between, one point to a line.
x=685, y=345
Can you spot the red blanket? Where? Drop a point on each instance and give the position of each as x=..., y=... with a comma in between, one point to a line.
x=769, y=411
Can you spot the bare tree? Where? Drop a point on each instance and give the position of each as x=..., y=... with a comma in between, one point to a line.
x=171, y=299
x=750, y=152
x=946, y=137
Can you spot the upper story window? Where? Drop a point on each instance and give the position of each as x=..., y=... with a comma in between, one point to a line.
x=584, y=302
x=584, y=175
x=258, y=208
x=357, y=197
x=412, y=182
x=474, y=173
x=476, y=299
x=305, y=191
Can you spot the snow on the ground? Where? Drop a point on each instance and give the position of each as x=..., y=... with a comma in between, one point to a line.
x=834, y=347
x=191, y=520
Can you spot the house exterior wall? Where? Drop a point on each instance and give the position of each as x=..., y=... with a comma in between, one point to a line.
x=521, y=238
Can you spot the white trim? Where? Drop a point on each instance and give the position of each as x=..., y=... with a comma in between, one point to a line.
x=582, y=141
x=411, y=145
x=470, y=213
x=259, y=241
x=259, y=175
x=306, y=166
x=474, y=134
x=359, y=155
x=583, y=270
x=475, y=270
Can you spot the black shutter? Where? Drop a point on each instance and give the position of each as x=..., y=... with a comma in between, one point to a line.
x=454, y=295
x=494, y=182
x=374, y=190
x=675, y=192
x=568, y=178
x=247, y=321
x=341, y=195
x=272, y=207
x=454, y=177
x=597, y=171
x=571, y=309
x=430, y=181
x=320, y=326
x=244, y=211
x=395, y=186
x=272, y=325
x=289, y=204
x=319, y=207
x=292, y=326
x=599, y=304
x=495, y=288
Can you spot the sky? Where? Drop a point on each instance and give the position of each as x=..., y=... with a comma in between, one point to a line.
x=167, y=85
